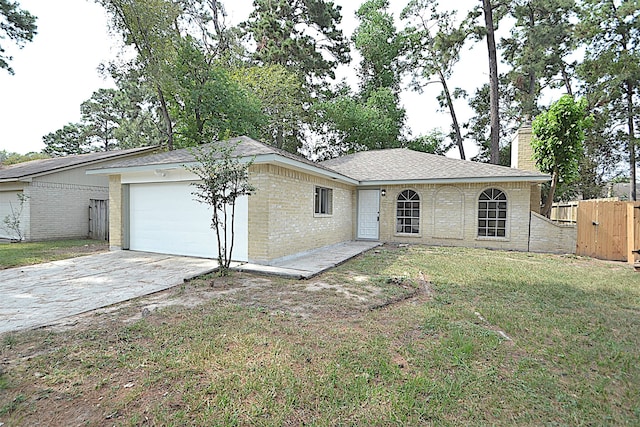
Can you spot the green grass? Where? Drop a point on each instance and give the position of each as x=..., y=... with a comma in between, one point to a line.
x=573, y=357
x=21, y=254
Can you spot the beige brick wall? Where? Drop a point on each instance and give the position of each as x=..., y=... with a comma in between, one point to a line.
x=282, y=220
x=115, y=212
x=449, y=215
x=549, y=237
x=281, y=213
x=536, y=198
x=59, y=204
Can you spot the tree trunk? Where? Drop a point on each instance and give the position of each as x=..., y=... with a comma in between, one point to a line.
x=632, y=140
x=567, y=80
x=548, y=203
x=164, y=110
x=530, y=94
x=216, y=220
x=493, y=82
x=454, y=118
x=218, y=13
x=279, y=137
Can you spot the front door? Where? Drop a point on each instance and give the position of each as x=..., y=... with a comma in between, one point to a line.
x=368, y=214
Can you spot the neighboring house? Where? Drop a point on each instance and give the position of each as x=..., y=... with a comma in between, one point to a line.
x=58, y=192
x=395, y=195
x=622, y=190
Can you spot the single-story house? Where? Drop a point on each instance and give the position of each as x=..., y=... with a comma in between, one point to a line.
x=621, y=190
x=394, y=195
x=58, y=192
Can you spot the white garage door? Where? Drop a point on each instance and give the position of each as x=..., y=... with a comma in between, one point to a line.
x=165, y=218
x=9, y=200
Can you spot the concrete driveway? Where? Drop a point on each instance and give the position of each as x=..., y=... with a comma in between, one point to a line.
x=39, y=295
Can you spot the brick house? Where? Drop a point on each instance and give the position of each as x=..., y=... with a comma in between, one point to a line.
x=394, y=195
x=58, y=192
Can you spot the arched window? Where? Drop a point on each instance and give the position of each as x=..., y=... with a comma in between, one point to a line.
x=492, y=213
x=408, y=212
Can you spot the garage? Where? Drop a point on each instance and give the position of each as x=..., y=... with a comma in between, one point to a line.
x=165, y=218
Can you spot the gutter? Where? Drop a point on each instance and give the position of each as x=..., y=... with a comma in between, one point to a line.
x=471, y=180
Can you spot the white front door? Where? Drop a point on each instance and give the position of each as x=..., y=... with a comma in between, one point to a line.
x=368, y=214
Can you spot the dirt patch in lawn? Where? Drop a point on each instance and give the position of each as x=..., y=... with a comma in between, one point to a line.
x=72, y=373
x=319, y=297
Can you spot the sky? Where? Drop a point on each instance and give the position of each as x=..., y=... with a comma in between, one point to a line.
x=58, y=70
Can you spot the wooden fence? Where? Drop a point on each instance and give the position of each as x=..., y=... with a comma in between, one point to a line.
x=567, y=212
x=609, y=230
x=564, y=212
x=99, y=219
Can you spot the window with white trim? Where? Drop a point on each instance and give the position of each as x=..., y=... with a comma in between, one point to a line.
x=408, y=212
x=492, y=213
x=323, y=204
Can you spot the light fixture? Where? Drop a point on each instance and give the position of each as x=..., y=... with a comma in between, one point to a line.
x=383, y=192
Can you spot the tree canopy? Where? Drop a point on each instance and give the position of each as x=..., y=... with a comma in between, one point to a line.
x=192, y=78
x=434, y=45
x=611, y=69
x=558, y=136
x=18, y=25
x=302, y=35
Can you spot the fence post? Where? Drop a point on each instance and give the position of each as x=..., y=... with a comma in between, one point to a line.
x=633, y=231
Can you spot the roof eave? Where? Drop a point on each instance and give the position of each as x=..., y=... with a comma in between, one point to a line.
x=133, y=169
x=26, y=178
x=472, y=180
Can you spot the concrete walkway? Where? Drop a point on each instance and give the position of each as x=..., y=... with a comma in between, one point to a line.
x=308, y=264
x=39, y=295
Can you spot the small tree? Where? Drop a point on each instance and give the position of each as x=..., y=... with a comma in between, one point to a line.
x=11, y=222
x=557, y=142
x=224, y=178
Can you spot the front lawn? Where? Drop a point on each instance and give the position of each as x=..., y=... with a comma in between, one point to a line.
x=491, y=338
x=28, y=253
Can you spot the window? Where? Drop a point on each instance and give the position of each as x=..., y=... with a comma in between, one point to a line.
x=408, y=212
x=492, y=213
x=323, y=204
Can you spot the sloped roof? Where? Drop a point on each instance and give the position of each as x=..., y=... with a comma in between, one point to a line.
x=244, y=147
x=366, y=167
x=41, y=167
x=401, y=164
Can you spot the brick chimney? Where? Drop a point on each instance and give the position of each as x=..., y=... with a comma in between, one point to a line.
x=522, y=158
x=521, y=151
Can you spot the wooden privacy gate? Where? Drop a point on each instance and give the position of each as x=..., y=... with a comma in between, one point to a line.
x=98, y=219
x=609, y=230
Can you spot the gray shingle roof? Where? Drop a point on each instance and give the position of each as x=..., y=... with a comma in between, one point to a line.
x=401, y=164
x=246, y=147
x=45, y=166
x=390, y=165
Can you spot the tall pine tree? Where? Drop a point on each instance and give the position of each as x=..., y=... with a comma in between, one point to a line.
x=611, y=69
